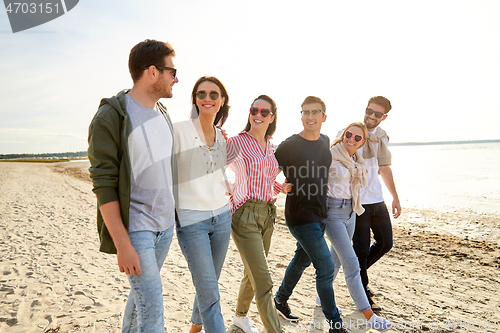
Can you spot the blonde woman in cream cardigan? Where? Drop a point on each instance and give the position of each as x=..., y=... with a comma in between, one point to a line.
x=346, y=177
x=204, y=218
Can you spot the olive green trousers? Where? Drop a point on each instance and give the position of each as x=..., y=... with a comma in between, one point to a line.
x=251, y=229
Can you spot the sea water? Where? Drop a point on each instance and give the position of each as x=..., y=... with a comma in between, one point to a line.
x=448, y=177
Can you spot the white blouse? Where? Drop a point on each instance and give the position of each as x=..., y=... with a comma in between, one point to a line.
x=200, y=169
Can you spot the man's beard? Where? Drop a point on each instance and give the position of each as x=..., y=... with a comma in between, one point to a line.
x=370, y=126
x=161, y=91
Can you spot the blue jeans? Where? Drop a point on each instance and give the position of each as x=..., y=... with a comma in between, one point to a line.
x=339, y=229
x=311, y=248
x=376, y=217
x=144, y=309
x=204, y=245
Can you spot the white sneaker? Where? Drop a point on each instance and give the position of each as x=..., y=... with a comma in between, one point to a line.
x=318, y=302
x=379, y=323
x=246, y=324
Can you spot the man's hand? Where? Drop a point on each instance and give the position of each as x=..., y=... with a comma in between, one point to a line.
x=286, y=187
x=128, y=260
x=386, y=173
x=396, y=208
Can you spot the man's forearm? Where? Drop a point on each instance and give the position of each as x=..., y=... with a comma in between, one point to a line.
x=112, y=218
x=386, y=173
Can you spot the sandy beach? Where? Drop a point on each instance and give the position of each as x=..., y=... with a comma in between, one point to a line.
x=443, y=274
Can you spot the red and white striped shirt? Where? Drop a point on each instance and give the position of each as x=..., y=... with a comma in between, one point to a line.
x=255, y=170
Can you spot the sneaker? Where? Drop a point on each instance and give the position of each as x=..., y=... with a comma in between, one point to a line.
x=284, y=311
x=245, y=323
x=379, y=323
x=375, y=306
x=318, y=302
x=338, y=330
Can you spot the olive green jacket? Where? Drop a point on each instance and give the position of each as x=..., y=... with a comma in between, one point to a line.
x=110, y=166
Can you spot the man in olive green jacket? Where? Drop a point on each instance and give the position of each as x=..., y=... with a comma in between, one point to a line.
x=133, y=171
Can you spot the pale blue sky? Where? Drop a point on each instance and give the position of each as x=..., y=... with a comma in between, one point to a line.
x=437, y=61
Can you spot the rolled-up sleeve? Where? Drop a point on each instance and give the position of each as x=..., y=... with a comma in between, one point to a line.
x=103, y=153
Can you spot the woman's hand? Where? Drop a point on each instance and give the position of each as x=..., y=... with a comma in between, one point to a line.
x=229, y=188
x=223, y=131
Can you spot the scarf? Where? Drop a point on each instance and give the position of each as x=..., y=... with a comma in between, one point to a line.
x=383, y=153
x=357, y=169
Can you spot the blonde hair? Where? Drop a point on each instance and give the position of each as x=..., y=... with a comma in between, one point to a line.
x=355, y=124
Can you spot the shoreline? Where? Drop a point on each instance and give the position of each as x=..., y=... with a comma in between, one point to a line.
x=53, y=279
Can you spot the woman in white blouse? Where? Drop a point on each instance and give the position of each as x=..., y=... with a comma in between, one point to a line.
x=346, y=177
x=204, y=218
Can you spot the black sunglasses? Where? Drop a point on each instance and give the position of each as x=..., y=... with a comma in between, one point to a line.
x=173, y=70
x=202, y=94
x=377, y=114
x=349, y=134
x=264, y=111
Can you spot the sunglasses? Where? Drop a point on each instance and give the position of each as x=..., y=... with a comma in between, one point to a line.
x=202, y=94
x=306, y=113
x=349, y=134
x=377, y=114
x=172, y=70
x=263, y=111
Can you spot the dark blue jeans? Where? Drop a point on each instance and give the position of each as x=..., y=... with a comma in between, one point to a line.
x=311, y=248
x=375, y=218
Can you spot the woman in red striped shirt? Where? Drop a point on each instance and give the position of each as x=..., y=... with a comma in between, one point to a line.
x=250, y=155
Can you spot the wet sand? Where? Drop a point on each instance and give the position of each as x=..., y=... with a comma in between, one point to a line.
x=444, y=267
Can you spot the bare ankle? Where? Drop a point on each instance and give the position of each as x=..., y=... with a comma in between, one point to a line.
x=196, y=328
x=368, y=313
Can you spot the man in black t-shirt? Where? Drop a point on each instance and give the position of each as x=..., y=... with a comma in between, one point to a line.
x=305, y=160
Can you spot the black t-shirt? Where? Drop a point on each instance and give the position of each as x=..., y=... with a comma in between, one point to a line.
x=305, y=164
